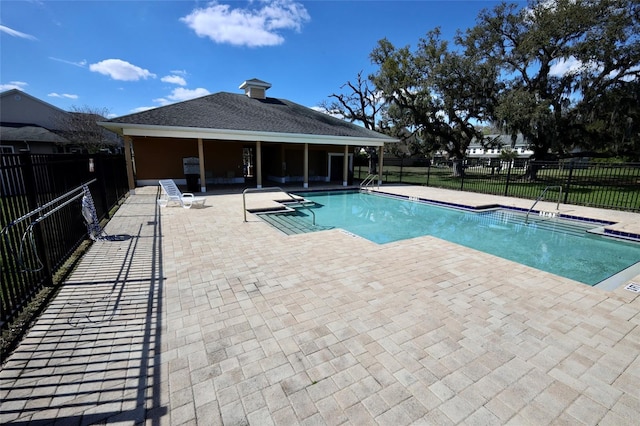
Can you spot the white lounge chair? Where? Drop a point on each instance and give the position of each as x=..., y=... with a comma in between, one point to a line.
x=171, y=193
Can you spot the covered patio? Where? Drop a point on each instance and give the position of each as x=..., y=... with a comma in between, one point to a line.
x=233, y=138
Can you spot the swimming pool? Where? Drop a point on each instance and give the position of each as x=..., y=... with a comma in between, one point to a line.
x=562, y=247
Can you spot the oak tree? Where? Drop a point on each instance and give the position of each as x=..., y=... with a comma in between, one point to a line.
x=438, y=94
x=564, y=63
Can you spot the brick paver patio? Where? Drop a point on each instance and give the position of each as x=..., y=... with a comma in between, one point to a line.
x=196, y=317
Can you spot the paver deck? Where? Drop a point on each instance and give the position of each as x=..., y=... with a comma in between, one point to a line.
x=197, y=317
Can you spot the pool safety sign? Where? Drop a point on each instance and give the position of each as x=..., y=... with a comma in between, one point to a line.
x=191, y=165
x=634, y=287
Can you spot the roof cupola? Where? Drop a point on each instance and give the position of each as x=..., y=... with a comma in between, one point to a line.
x=255, y=88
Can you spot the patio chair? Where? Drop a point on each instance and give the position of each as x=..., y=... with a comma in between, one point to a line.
x=171, y=193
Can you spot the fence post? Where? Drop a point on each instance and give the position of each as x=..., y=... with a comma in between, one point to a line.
x=29, y=180
x=102, y=183
x=506, y=185
x=31, y=190
x=428, y=171
x=566, y=191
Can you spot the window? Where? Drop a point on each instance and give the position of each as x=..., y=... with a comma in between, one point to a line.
x=6, y=149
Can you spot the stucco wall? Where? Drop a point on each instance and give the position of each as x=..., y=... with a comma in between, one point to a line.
x=161, y=158
x=223, y=159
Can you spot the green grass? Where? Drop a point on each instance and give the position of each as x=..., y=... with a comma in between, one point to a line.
x=614, y=187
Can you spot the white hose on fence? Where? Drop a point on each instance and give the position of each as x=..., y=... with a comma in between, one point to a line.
x=28, y=241
x=91, y=216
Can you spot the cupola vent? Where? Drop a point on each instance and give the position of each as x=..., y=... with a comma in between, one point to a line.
x=255, y=88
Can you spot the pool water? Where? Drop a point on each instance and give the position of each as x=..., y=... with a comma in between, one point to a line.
x=561, y=247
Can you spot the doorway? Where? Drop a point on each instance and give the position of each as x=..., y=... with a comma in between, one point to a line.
x=248, y=164
x=335, y=167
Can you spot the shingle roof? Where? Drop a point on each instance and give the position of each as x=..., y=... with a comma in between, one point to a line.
x=28, y=132
x=231, y=111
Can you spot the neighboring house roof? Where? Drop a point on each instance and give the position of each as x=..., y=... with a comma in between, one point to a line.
x=502, y=140
x=11, y=132
x=231, y=116
x=24, y=118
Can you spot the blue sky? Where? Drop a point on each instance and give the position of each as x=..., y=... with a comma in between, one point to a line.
x=125, y=56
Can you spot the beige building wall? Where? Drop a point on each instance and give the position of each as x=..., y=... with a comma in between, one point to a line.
x=223, y=159
x=161, y=158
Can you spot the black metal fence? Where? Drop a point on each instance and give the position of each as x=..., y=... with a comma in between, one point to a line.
x=34, y=249
x=603, y=185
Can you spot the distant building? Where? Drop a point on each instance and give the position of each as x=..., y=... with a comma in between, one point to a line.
x=519, y=147
x=28, y=124
x=476, y=154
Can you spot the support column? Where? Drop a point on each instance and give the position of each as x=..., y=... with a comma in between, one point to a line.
x=380, y=161
x=345, y=166
x=129, y=164
x=306, y=166
x=203, y=181
x=258, y=164
x=283, y=162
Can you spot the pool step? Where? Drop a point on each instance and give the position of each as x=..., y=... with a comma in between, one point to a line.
x=558, y=227
x=298, y=203
x=292, y=222
x=541, y=222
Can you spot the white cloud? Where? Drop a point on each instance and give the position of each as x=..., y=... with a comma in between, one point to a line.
x=20, y=85
x=182, y=94
x=572, y=66
x=81, y=64
x=15, y=33
x=118, y=69
x=630, y=75
x=63, y=95
x=335, y=114
x=247, y=27
x=174, y=79
x=141, y=109
x=564, y=66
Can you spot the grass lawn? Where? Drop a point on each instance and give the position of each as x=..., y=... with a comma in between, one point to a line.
x=605, y=187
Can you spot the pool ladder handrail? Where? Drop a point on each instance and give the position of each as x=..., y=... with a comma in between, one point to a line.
x=541, y=196
x=369, y=181
x=272, y=189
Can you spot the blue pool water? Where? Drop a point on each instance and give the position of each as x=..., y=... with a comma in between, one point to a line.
x=561, y=247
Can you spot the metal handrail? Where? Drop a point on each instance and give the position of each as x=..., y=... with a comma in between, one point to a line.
x=270, y=189
x=49, y=204
x=541, y=196
x=368, y=180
